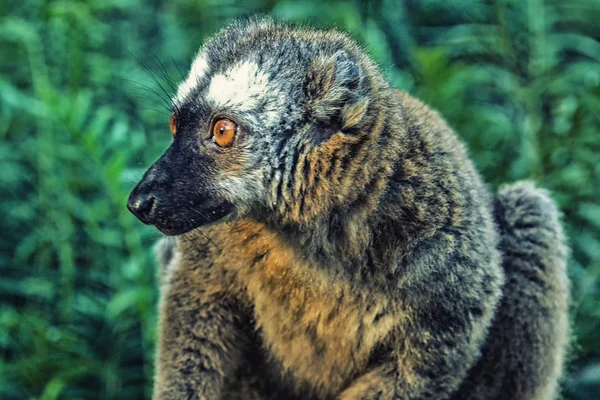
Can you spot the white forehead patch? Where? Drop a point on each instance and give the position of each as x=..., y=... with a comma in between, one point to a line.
x=197, y=71
x=243, y=87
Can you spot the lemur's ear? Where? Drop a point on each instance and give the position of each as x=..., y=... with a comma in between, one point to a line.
x=335, y=91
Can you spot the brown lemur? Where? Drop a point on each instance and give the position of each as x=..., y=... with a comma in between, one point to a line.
x=333, y=240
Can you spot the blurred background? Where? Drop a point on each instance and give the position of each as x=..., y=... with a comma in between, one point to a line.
x=82, y=114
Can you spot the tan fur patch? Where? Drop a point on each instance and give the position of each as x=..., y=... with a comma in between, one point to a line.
x=317, y=329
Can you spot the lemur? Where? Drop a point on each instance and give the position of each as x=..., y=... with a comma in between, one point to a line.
x=330, y=238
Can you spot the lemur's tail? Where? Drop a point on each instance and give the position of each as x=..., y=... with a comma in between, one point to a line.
x=524, y=353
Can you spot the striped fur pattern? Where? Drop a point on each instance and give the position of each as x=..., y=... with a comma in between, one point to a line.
x=363, y=257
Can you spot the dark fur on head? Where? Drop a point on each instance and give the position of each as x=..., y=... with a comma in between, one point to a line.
x=294, y=89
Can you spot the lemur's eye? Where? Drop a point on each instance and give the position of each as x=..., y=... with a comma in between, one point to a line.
x=172, y=124
x=224, y=132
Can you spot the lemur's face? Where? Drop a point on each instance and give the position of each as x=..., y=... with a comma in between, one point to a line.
x=256, y=101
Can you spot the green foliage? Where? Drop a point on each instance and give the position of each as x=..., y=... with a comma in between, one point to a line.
x=81, y=117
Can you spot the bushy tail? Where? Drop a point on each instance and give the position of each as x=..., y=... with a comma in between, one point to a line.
x=531, y=234
x=536, y=290
x=524, y=353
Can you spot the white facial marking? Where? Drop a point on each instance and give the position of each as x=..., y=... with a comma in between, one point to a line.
x=197, y=71
x=243, y=87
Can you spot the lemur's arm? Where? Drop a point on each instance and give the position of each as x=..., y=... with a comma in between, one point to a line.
x=446, y=316
x=429, y=362
x=200, y=337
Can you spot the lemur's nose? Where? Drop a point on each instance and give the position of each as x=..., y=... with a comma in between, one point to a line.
x=142, y=206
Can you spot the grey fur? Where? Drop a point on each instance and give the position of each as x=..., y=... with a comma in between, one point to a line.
x=364, y=257
x=529, y=336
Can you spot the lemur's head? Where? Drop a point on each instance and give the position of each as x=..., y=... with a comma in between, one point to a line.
x=267, y=124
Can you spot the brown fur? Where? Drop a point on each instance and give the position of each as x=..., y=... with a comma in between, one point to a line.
x=375, y=265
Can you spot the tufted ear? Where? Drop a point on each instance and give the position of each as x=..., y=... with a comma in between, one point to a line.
x=335, y=91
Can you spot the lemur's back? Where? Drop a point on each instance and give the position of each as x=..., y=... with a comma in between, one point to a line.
x=524, y=352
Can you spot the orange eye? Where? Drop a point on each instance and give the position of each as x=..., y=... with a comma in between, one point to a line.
x=172, y=124
x=224, y=132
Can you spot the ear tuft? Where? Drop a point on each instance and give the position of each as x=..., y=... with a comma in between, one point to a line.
x=334, y=90
x=353, y=113
x=348, y=73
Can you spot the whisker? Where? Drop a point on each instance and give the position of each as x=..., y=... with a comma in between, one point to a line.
x=164, y=73
x=158, y=111
x=152, y=99
x=146, y=87
x=154, y=78
x=204, y=234
x=210, y=240
x=178, y=70
x=164, y=102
